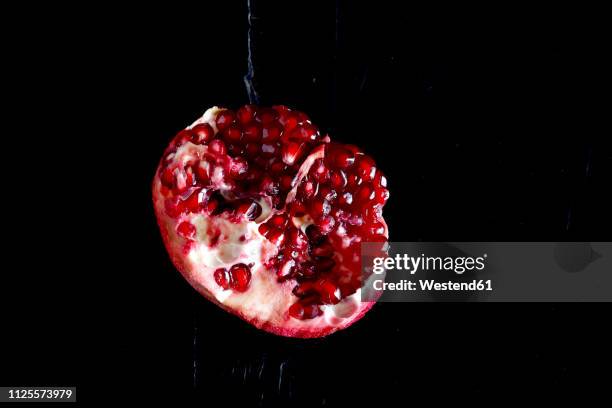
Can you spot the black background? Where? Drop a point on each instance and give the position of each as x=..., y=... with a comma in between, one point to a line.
x=482, y=119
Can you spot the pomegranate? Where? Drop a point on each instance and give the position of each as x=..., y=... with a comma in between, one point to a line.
x=264, y=216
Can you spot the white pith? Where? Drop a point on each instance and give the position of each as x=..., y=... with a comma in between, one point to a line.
x=266, y=302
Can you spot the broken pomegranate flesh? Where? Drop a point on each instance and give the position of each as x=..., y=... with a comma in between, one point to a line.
x=265, y=216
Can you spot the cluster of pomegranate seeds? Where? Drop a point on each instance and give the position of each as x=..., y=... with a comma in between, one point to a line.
x=342, y=197
x=256, y=150
x=237, y=277
x=320, y=214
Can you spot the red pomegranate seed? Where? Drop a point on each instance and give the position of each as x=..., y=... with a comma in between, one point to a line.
x=276, y=236
x=277, y=221
x=191, y=176
x=211, y=206
x=303, y=312
x=252, y=150
x=291, y=152
x=380, y=180
x=364, y=194
x=366, y=168
x=281, y=109
x=326, y=224
x=296, y=311
x=297, y=209
x=201, y=173
x=186, y=230
x=353, y=181
x=291, y=120
x=286, y=182
x=241, y=277
x=319, y=172
x=269, y=186
x=381, y=195
x=282, y=113
x=235, y=149
x=246, y=114
x=224, y=119
x=304, y=132
x=319, y=208
x=184, y=180
x=217, y=146
x=172, y=208
x=165, y=191
x=278, y=167
x=304, y=289
x=307, y=189
x=264, y=229
x=167, y=178
x=252, y=133
x=342, y=159
x=223, y=278
x=296, y=239
x=181, y=182
x=309, y=132
x=183, y=136
x=338, y=179
x=330, y=293
x=232, y=134
x=203, y=133
x=238, y=168
x=195, y=201
x=266, y=115
x=271, y=133
x=327, y=193
x=250, y=210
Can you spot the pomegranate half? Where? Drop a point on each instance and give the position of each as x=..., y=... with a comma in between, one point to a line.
x=264, y=216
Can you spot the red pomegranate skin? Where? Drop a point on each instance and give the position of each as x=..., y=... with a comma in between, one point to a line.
x=264, y=216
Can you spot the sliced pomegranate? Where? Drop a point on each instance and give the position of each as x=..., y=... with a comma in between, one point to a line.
x=265, y=217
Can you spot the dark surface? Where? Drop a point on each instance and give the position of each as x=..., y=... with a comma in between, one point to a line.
x=481, y=120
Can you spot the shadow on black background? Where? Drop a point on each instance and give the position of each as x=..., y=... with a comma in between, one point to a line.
x=478, y=117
